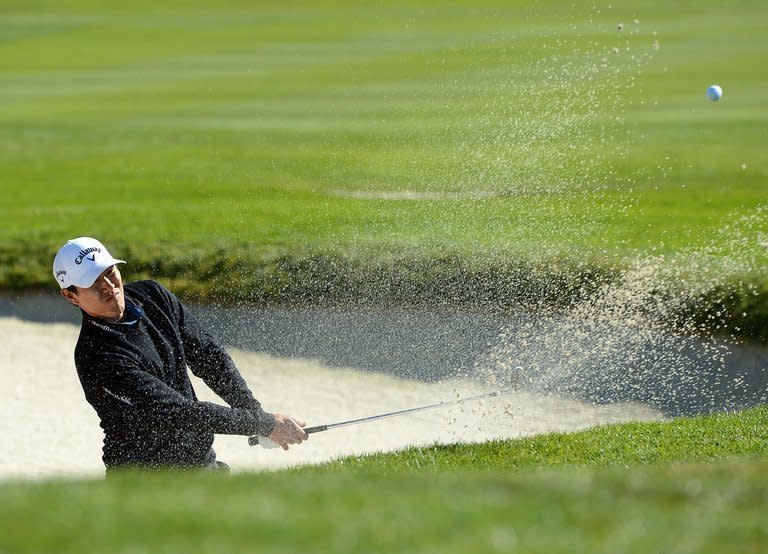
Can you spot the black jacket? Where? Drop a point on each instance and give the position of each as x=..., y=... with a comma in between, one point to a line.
x=134, y=374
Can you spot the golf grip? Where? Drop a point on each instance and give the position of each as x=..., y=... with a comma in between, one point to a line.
x=253, y=441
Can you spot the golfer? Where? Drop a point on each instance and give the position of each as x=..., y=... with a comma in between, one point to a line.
x=135, y=345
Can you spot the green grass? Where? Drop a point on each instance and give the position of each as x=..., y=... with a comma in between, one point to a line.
x=688, y=485
x=273, y=135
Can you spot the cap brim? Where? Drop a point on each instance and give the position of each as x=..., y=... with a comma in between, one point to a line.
x=93, y=273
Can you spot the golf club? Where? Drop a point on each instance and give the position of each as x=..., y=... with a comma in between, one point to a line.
x=253, y=441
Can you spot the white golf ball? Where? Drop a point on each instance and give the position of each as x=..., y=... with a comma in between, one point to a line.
x=714, y=92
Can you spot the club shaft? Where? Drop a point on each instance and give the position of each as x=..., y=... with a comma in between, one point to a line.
x=318, y=428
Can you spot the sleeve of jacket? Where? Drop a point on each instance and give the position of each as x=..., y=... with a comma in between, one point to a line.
x=211, y=362
x=121, y=385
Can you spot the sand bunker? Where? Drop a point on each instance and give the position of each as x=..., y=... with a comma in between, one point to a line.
x=49, y=429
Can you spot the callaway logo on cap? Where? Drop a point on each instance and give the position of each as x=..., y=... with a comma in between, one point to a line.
x=81, y=261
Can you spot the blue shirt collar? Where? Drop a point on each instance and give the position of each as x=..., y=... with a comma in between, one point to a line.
x=133, y=313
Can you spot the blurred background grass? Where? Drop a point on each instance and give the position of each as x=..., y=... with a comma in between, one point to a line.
x=489, y=134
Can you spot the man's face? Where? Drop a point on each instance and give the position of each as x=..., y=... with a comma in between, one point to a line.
x=104, y=299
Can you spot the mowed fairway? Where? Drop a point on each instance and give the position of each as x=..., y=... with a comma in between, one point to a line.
x=482, y=131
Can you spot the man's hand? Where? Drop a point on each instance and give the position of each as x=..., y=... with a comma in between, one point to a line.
x=287, y=431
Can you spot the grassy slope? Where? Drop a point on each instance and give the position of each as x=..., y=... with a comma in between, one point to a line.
x=182, y=134
x=690, y=485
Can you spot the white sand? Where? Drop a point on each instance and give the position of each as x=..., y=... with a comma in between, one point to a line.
x=49, y=430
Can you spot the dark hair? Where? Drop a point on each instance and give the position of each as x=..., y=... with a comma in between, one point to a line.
x=72, y=288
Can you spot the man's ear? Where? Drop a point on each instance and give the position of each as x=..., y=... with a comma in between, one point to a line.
x=71, y=297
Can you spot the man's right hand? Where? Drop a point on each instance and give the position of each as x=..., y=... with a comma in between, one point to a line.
x=287, y=431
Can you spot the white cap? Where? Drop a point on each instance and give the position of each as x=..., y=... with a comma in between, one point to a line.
x=81, y=261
